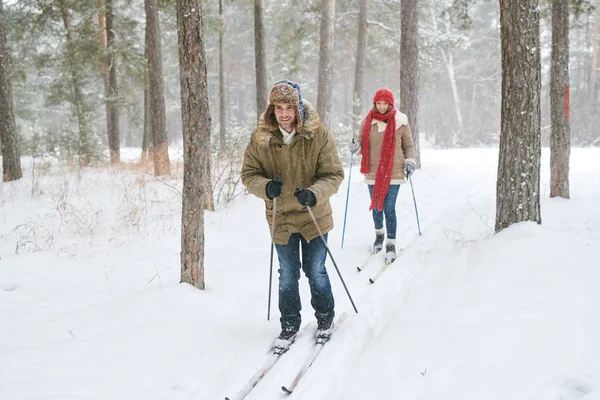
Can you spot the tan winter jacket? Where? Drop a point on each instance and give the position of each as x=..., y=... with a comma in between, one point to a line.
x=310, y=161
x=405, y=150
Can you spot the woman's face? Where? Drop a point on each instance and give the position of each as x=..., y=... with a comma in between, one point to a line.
x=382, y=107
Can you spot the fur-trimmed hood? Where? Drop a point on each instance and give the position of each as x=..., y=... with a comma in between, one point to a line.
x=268, y=126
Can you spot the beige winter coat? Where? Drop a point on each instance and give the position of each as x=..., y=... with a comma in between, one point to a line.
x=405, y=150
x=310, y=161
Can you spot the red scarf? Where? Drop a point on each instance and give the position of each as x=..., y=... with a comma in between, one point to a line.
x=386, y=157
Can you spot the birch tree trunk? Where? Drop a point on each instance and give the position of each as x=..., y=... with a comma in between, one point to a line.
x=560, y=134
x=196, y=122
x=325, y=80
x=409, y=69
x=448, y=58
x=260, y=58
x=11, y=158
x=518, y=184
x=160, y=152
x=361, y=47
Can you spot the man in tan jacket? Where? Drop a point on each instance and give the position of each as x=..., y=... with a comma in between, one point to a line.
x=290, y=149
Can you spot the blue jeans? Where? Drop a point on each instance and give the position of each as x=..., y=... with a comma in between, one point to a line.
x=389, y=210
x=314, y=254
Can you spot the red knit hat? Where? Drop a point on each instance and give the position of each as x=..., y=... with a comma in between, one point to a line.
x=384, y=94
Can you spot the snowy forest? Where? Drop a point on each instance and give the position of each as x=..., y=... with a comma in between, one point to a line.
x=133, y=261
x=459, y=63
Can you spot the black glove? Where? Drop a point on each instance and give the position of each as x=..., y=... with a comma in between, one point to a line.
x=305, y=197
x=274, y=187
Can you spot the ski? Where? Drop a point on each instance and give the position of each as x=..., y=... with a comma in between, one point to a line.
x=386, y=265
x=266, y=367
x=366, y=262
x=311, y=358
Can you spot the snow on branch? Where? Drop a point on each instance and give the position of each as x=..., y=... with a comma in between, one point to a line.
x=380, y=25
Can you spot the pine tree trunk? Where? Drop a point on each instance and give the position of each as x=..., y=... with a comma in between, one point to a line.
x=11, y=159
x=222, y=130
x=160, y=152
x=147, y=134
x=409, y=69
x=196, y=124
x=518, y=184
x=260, y=58
x=103, y=39
x=361, y=48
x=325, y=80
x=112, y=111
x=593, y=88
x=560, y=136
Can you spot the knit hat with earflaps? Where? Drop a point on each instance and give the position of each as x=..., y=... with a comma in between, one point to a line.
x=285, y=92
x=384, y=94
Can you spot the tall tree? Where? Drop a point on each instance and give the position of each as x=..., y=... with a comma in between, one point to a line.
x=156, y=88
x=222, y=123
x=11, y=159
x=103, y=39
x=112, y=112
x=325, y=80
x=560, y=134
x=260, y=58
x=409, y=69
x=196, y=122
x=361, y=47
x=77, y=97
x=593, y=87
x=518, y=184
x=147, y=129
x=447, y=54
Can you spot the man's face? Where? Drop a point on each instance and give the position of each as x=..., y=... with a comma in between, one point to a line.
x=286, y=116
x=382, y=106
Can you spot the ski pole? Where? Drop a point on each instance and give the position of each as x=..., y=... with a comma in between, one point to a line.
x=415, y=201
x=347, y=197
x=276, y=179
x=329, y=252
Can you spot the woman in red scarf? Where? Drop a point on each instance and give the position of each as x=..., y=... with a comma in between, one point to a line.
x=387, y=151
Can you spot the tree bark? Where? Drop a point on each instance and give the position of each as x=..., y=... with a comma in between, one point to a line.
x=196, y=122
x=160, y=152
x=147, y=134
x=325, y=80
x=103, y=39
x=560, y=135
x=409, y=69
x=11, y=158
x=361, y=48
x=222, y=123
x=260, y=58
x=518, y=184
x=595, y=49
x=112, y=111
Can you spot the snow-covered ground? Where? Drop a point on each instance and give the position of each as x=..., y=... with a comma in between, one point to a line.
x=91, y=306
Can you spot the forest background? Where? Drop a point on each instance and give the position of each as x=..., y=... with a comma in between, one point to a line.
x=459, y=63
